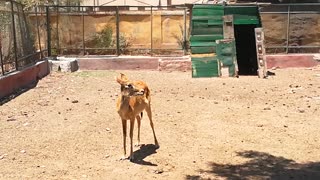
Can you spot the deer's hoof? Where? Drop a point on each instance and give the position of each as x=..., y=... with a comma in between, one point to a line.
x=123, y=158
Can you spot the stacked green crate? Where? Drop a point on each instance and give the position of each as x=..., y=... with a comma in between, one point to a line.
x=207, y=27
x=244, y=15
x=226, y=53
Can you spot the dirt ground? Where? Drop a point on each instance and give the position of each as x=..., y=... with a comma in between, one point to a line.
x=208, y=128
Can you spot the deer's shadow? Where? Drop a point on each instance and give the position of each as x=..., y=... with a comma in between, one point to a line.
x=144, y=151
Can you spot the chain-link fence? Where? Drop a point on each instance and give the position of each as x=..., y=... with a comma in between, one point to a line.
x=110, y=30
x=150, y=30
x=16, y=40
x=291, y=28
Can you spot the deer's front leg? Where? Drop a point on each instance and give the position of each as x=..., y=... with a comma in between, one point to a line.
x=139, y=125
x=124, y=129
x=131, y=138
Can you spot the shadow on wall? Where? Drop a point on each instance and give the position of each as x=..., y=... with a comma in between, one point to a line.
x=18, y=92
x=262, y=166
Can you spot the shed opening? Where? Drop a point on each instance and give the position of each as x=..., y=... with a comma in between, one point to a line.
x=246, y=49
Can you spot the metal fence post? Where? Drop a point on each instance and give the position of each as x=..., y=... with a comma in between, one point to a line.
x=38, y=32
x=1, y=60
x=288, y=30
x=83, y=43
x=118, y=31
x=151, y=22
x=48, y=32
x=184, y=32
x=14, y=35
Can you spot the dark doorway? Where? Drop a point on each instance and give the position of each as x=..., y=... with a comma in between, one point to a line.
x=246, y=49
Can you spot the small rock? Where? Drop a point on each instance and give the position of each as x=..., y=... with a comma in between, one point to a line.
x=23, y=151
x=108, y=129
x=260, y=125
x=301, y=110
x=107, y=156
x=75, y=101
x=267, y=108
x=11, y=119
x=26, y=124
x=158, y=171
x=285, y=126
x=3, y=156
x=87, y=104
x=67, y=98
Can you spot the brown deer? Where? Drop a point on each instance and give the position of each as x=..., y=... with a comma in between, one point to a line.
x=134, y=98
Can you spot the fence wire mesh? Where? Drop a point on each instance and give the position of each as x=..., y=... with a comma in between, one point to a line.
x=130, y=30
x=17, y=45
x=291, y=28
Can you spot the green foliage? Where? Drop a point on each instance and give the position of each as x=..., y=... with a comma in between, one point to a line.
x=180, y=40
x=124, y=43
x=103, y=39
x=106, y=39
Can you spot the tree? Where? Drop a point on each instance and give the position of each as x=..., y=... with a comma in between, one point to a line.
x=30, y=3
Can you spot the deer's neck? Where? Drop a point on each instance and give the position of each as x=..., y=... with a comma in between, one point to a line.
x=125, y=103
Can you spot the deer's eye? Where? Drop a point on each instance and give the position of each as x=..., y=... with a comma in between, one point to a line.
x=129, y=86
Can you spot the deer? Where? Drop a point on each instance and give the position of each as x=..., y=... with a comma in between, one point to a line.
x=133, y=100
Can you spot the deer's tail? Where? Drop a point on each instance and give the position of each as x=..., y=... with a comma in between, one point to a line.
x=141, y=114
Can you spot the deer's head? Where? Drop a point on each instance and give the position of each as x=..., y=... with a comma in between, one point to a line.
x=130, y=88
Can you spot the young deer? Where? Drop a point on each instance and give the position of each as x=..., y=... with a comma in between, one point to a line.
x=134, y=98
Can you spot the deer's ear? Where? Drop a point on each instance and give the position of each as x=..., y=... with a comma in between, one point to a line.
x=122, y=79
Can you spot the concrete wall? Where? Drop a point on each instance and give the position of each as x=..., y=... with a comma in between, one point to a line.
x=184, y=63
x=22, y=79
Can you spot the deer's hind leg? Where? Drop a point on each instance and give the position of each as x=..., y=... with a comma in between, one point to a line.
x=149, y=113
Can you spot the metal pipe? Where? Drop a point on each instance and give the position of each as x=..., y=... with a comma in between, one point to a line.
x=14, y=35
x=274, y=47
x=292, y=12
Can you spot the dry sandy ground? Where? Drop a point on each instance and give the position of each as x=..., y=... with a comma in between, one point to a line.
x=230, y=128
